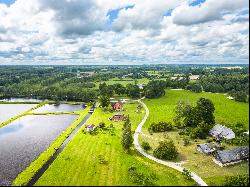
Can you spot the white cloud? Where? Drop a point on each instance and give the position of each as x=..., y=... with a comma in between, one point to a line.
x=76, y=31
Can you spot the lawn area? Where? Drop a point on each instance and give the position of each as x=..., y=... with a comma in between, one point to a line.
x=227, y=112
x=79, y=162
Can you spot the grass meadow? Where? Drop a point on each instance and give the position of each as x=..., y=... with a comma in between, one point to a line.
x=227, y=112
x=79, y=163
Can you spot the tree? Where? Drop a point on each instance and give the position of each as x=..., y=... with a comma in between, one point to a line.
x=155, y=89
x=119, y=89
x=182, y=111
x=240, y=96
x=146, y=146
x=127, y=138
x=104, y=101
x=133, y=91
x=106, y=90
x=204, y=110
x=194, y=87
x=166, y=150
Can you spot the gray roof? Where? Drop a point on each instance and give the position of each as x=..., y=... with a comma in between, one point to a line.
x=232, y=155
x=220, y=130
x=205, y=148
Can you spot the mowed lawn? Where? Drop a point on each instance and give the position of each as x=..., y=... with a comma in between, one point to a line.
x=79, y=163
x=227, y=112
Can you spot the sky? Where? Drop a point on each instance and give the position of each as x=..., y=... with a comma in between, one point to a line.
x=121, y=32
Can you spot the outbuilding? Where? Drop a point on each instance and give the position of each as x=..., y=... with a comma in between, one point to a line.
x=90, y=127
x=231, y=156
x=205, y=148
x=222, y=131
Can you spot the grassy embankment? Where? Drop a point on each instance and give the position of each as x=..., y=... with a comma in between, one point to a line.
x=227, y=112
x=24, y=177
x=21, y=115
x=79, y=163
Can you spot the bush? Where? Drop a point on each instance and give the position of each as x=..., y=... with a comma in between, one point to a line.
x=140, y=178
x=198, y=133
x=186, y=142
x=238, y=180
x=146, y=146
x=160, y=127
x=166, y=150
x=187, y=173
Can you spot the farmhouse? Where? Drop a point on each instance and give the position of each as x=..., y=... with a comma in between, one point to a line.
x=90, y=127
x=117, y=117
x=205, y=148
x=222, y=131
x=117, y=106
x=232, y=156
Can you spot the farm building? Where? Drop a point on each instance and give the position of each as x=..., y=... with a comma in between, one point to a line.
x=222, y=131
x=90, y=127
x=232, y=156
x=117, y=106
x=205, y=148
x=117, y=117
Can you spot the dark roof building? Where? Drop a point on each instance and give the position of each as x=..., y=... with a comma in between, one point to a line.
x=222, y=131
x=117, y=117
x=231, y=156
x=205, y=148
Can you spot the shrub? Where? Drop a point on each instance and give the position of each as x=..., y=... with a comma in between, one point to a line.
x=187, y=173
x=238, y=180
x=166, y=150
x=161, y=127
x=140, y=178
x=146, y=146
x=186, y=142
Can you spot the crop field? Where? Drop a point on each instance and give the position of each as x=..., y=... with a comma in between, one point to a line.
x=81, y=162
x=227, y=112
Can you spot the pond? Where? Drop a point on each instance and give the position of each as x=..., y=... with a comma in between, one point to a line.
x=23, y=140
x=8, y=111
x=59, y=108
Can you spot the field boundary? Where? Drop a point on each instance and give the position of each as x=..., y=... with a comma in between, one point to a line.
x=173, y=165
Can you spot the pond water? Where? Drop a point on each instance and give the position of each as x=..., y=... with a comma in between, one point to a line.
x=59, y=108
x=21, y=100
x=23, y=140
x=8, y=111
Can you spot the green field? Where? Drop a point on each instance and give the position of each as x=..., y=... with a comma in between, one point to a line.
x=227, y=112
x=78, y=164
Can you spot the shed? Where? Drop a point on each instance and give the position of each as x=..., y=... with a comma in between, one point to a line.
x=90, y=127
x=231, y=156
x=117, y=117
x=205, y=148
x=222, y=131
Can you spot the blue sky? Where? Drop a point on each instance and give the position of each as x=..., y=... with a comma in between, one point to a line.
x=124, y=32
x=7, y=2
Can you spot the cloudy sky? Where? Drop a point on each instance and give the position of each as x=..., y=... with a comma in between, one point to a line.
x=123, y=31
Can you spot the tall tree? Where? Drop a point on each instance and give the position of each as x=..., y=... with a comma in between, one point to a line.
x=127, y=138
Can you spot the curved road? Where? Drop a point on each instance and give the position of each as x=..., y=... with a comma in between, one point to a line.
x=169, y=164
